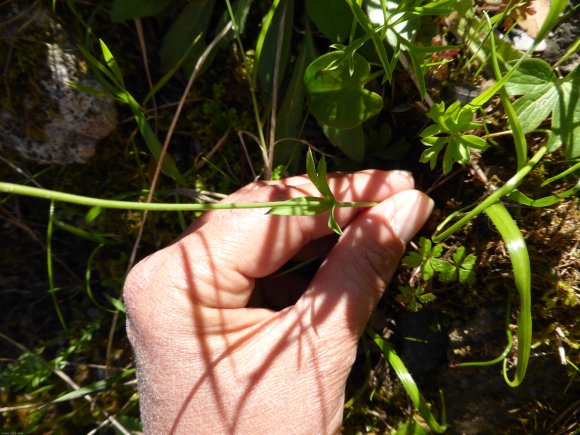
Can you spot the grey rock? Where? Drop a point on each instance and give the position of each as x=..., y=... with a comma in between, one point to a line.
x=42, y=117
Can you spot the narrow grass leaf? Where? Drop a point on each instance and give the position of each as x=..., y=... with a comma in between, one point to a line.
x=171, y=72
x=50, y=269
x=111, y=62
x=169, y=167
x=266, y=23
x=517, y=130
x=504, y=190
x=409, y=384
x=518, y=252
x=332, y=224
x=303, y=206
x=562, y=174
x=546, y=201
x=95, y=387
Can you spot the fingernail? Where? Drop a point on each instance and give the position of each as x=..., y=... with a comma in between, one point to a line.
x=413, y=210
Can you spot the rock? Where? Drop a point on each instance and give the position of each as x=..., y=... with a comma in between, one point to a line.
x=561, y=39
x=42, y=117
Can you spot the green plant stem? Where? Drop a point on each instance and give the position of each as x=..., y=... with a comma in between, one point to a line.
x=252, y=81
x=518, y=134
x=129, y=205
x=49, y=267
x=508, y=187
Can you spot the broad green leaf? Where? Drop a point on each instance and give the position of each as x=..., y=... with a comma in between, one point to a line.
x=337, y=97
x=532, y=109
x=329, y=72
x=333, y=18
x=431, y=130
x=345, y=109
x=413, y=259
x=122, y=10
x=351, y=142
x=530, y=74
x=193, y=21
x=566, y=116
x=303, y=206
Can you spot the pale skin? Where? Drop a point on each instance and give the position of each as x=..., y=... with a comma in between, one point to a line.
x=220, y=349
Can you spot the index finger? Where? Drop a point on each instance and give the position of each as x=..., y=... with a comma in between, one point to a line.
x=218, y=263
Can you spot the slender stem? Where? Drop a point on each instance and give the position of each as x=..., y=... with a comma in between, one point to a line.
x=508, y=187
x=129, y=205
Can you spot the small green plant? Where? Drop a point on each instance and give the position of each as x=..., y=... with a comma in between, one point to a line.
x=456, y=267
x=413, y=298
x=449, y=133
x=428, y=262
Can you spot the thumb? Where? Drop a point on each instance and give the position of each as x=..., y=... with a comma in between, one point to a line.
x=349, y=284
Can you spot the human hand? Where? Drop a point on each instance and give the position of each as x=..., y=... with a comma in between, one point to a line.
x=211, y=360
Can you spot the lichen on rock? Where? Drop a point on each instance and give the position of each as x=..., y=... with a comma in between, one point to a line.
x=43, y=117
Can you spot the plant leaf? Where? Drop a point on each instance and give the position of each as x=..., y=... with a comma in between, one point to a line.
x=276, y=32
x=193, y=21
x=333, y=18
x=530, y=74
x=518, y=252
x=332, y=224
x=351, y=142
x=302, y=206
x=410, y=386
x=122, y=10
x=337, y=97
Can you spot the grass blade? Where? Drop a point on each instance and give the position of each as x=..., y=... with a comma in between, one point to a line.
x=409, y=384
x=49, y=267
x=520, y=259
x=518, y=133
x=562, y=174
x=546, y=201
